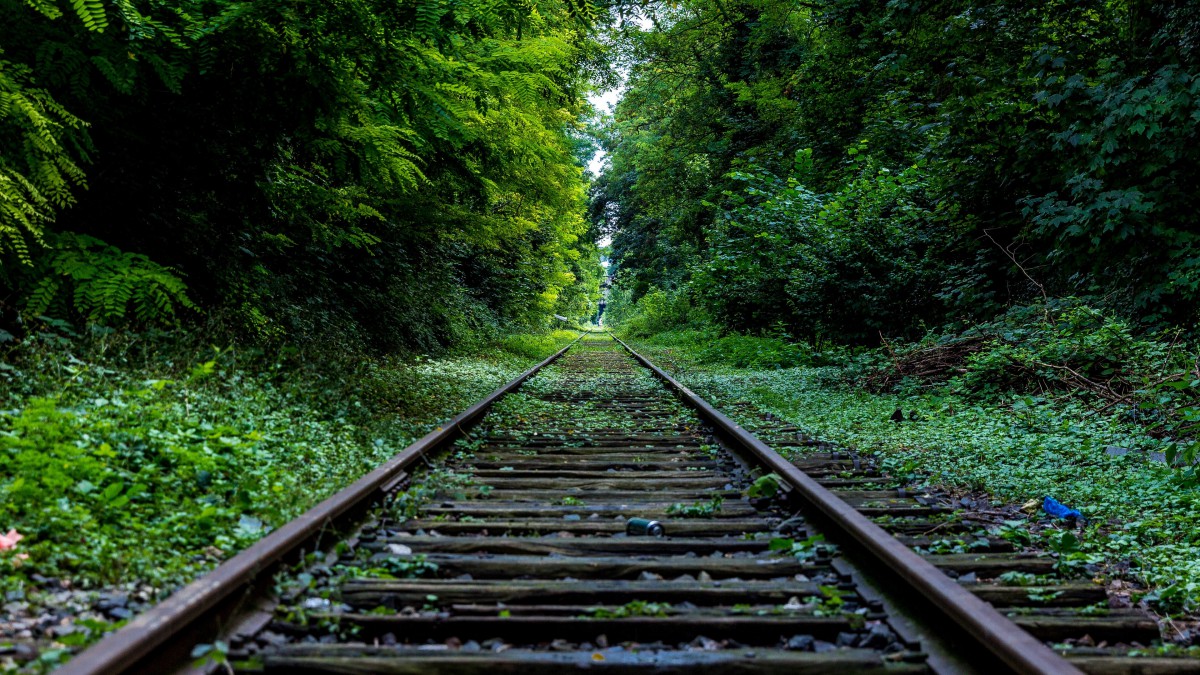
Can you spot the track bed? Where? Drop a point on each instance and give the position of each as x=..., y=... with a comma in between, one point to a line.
x=512, y=550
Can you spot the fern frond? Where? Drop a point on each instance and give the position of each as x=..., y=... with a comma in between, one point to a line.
x=91, y=13
x=429, y=14
x=42, y=297
x=46, y=8
x=103, y=283
x=121, y=78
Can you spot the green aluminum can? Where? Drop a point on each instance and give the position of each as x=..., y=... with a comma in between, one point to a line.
x=644, y=527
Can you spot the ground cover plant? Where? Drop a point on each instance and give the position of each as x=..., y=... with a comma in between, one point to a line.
x=136, y=463
x=1016, y=441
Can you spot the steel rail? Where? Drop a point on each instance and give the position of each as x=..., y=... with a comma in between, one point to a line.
x=1018, y=649
x=126, y=649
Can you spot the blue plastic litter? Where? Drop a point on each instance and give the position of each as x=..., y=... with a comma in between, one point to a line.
x=1057, y=509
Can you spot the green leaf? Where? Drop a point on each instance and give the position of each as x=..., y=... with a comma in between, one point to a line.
x=781, y=544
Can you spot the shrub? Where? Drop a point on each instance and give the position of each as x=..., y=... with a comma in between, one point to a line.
x=656, y=312
x=85, y=278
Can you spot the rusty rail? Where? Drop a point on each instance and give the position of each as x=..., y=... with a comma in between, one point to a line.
x=125, y=650
x=1018, y=649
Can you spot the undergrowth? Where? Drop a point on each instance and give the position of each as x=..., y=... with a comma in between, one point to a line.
x=150, y=458
x=1010, y=417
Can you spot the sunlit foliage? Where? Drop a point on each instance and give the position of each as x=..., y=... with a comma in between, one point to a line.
x=399, y=173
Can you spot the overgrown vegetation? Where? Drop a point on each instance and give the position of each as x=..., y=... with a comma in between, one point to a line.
x=978, y=215
x=193, y=452
x=956, y=234
x=1007, y=418
x=394, y=175
x=843, y=171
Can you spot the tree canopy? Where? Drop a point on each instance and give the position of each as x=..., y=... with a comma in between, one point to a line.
x=407, y=173
x=401, y=172
x=842, y=169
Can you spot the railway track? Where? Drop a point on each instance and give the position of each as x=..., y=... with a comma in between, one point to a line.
x=528, y=543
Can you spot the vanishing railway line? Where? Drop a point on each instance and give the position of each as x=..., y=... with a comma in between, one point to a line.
x=529, y=546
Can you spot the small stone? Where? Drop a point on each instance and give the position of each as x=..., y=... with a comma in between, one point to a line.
x=647, y=575
x=1187, y=637
x=846, y=639
x=968, y=578
x=471, y=646
x=24, y=653
x=399, y=549
x=561, y=645
x=572, y=516
x=821, y=646
x=602, y=641
x=877, y=638
x=801, y=643
x=704, y=576
x=389, y=639
x=107, y=601
x=275, y=639
x=316, y=603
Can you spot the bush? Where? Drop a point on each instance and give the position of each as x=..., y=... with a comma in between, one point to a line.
x=536, y=346
x=843, y=266
x=1063, y=344
x=744, y=351
x=656, y=312
x=84, y=278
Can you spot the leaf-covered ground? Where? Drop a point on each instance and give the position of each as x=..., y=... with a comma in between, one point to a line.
x=130, y=466
x=1142, y=519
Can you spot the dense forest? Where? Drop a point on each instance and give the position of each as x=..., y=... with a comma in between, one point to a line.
x=388, y=174
x=407, y=174
x=841, y=171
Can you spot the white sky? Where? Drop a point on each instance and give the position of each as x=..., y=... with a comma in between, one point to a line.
x=604, y=102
